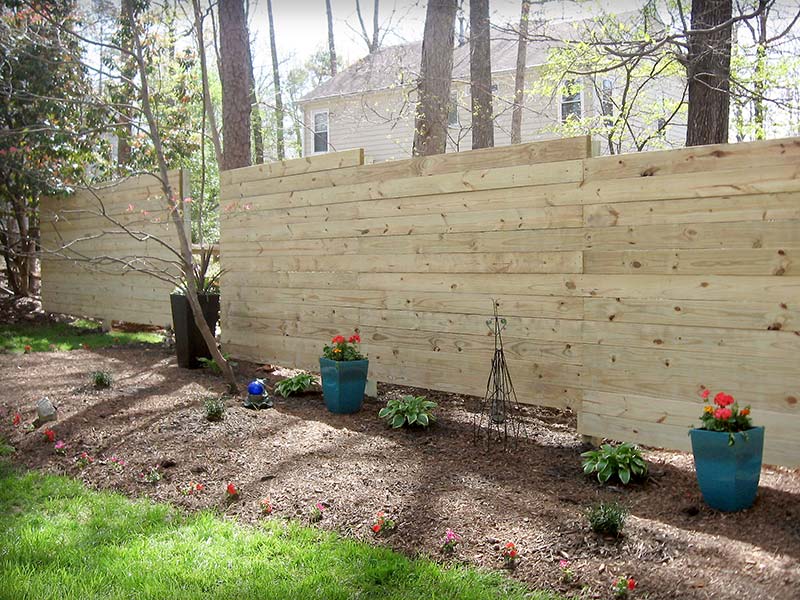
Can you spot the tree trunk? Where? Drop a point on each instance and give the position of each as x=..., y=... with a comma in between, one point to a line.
x=480, y=70
x=436, y=71
x=256, y=124
x=331, y=46
x=376, y=28
x=276, y=76
x=233, y=48
x=709, y=69
x=174, y=205
x=760, y=83
x=127, y=72
x=208, y=106
x=519, y=79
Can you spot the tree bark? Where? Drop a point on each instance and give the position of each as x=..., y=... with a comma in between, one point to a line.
x=256, y=124
x=480, y=69
x=331, y=45
x=519, y=78
x=174, y=204
x=234, y=42
x=436, y=72
x=709, y=70
x=127, y=72
x=372, y=41
x=208, y=106
x=276, y=76
x=760, y=83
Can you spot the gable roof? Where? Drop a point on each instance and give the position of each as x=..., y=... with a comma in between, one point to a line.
x=398, y=66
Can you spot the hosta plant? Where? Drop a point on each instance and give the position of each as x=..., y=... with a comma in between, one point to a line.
x=624, y=462
x=408, y=410
x=295, y=385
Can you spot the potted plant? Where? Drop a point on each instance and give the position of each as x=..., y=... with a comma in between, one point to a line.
x=727, y=454
x=189, y=343
x=344, y=374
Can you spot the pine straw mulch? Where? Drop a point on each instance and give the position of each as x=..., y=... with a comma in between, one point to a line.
x=299, y=454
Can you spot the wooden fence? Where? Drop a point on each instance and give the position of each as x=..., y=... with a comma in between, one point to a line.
x=629, y=281
x=78, y=231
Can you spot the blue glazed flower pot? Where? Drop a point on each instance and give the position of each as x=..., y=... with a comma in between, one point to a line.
x=728, y=475
x=343, y=384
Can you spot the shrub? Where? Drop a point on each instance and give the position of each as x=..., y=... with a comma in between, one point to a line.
x=214, y=407
x=101, y=380
x=411, y=410
x=211, y=364
x=607, y=518
x=294, y=385
x=625, y=461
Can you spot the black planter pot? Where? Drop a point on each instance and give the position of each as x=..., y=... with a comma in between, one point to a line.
x=189, y=343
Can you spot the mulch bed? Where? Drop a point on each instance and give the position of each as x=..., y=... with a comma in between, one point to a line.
x=299, y=454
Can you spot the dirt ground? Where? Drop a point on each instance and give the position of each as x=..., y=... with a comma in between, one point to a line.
x=299, y=454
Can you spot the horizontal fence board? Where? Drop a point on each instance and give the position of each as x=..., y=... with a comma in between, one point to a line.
x=754, y=261
x=293, y=167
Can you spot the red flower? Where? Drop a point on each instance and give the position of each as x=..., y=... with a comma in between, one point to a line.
x=706, y=393
x=50, y=435
x=744, y=412
x=86, y=347
x=631, y=584
x=354, y=339
x=28, y=349
x=376, y=528
x=339, y=339
x=723, y=413
x=232, y=491
x=17, y=420
x=723, y=399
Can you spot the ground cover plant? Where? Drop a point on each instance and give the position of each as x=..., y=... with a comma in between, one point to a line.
x=607, y=518
x=408, y=410
x=297, y=384
x=112, y=547
x=81, y=333
x=214, y=408
x=101, y=379
x=623, y=461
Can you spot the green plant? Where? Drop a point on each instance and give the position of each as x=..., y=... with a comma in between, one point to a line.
x=6, y=449
x=623, y=586
x=153, y=475
x=411, y=410
x=211, y=364
x=607, y=518
x=101, y=380
x=214, y=407
x=205, y=272
x=722, y=418
x=343, y=349
x=625, y=461
x=295, y=385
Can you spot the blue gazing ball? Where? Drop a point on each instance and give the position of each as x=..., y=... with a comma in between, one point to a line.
x=256, y=388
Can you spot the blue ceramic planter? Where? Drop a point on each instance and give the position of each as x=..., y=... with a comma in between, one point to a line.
x=728, y=475
x=343, y=384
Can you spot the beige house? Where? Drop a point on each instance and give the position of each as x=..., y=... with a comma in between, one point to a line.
x=371, y=104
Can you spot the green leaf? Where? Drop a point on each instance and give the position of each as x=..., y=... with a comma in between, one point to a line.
x=398, y=421
x=384, y=412
x=624, y=476
x=423, y=420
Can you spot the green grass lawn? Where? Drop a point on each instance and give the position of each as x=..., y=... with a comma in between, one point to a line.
x=63, y=336
x=60, y=540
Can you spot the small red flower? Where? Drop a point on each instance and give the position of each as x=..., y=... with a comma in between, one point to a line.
x=706, y=393
x=28, y=349
x=355, y=339
x=376, y=528
x=722, y=399
x=339, y=339
x=17, y=420
x=50, y=435
x=723, y=413
x=744, y=412
x=232, y=491
x=631, y=584
x=86, y=346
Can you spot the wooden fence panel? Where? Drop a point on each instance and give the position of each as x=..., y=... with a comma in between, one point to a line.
x=76, y=231
x=629, y=282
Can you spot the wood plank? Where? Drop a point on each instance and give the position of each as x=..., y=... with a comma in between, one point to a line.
x=697, y=159
x=755, y=261
x=704, y=340
x=499, y=220
x=528, y=262
x=548, y=307
x=743, y=182
x=696, y=313
x=723, y=209
x=479, y=346
x=764, y=382
x=445, y=183
x=294, y=166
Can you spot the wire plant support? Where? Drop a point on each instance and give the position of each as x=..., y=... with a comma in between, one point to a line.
x=499, y=416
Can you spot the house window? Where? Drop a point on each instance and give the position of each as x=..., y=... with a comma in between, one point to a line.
x=607, y=98
x=320, y=128
x=452, y=113
x=571, y=101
